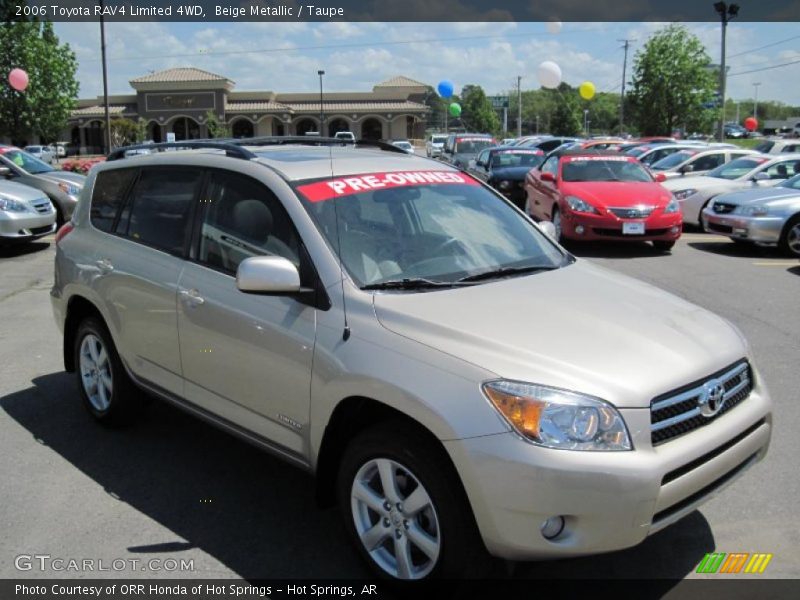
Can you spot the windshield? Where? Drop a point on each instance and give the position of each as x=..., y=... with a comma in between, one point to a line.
x=517, y=158
x=439, y=139
x=438, y=225
x=674, y=160
x=27, y=162
x=603, y=169
x=473, y=145
x=736, y=168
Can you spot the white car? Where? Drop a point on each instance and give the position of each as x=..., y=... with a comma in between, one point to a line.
x=43, y=153
x=778, y=146
x=404, y=145
x=346, y=136
x=434, y=145
x=697, y=161
x=694, y=193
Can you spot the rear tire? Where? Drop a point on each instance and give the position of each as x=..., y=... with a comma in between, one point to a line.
x=555, y=217
x=663, y=246
x=103, y=384
x=789, y=242
x=422, y=528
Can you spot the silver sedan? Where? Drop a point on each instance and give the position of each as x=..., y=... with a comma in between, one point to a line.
x=765, y=216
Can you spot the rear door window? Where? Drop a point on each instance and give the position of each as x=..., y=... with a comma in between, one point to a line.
x=110, y=189
x=158, y=211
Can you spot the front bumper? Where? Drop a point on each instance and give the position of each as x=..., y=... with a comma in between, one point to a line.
x=610, y=500
x=24, y=227
x=514, y=191
x=585, y=226
x=764, y=230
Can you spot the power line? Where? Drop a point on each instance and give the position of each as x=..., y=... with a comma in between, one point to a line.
x=765, y=46
x=786, y=64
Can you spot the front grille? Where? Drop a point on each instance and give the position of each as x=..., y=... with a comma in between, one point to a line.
x=718, y=227
x=43, y=206
x=38, y=230
x=633, y=212
x=684, y=410
x=723, y=208
x=618, y=232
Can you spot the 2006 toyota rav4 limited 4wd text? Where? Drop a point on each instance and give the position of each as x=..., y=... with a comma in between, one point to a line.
x=457, y=381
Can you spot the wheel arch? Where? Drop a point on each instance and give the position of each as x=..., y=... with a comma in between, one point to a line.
x=78, y=309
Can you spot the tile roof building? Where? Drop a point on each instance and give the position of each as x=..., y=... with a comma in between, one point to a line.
x=177, y=102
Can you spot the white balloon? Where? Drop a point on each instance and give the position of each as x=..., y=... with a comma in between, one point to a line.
x=554, y=26
x=549, y=74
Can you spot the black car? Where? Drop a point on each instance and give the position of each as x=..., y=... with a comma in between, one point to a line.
x=505, y=167
x=460, y=149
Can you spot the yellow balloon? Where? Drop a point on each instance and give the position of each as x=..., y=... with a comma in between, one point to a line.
x=586, y=90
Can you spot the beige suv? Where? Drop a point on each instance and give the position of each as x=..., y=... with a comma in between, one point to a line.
x=458, y=383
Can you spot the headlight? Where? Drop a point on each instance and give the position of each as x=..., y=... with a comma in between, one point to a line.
x=683, y=194
x=559, y=419
x=579, y=205
x=752, y=211
x=10, y=205
x=672, y=207
x=504, y=185
x=69, y=189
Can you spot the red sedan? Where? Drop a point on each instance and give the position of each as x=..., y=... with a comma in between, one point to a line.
x=602, y=196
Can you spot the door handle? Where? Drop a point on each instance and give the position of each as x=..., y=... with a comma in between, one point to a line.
x=191, y=297
x=104, y=265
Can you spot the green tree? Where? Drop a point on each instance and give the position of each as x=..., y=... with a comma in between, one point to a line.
x=477, y=112
x=216, y=128
x=565, y=119
x=124, y=132
x=672, y=80
x=44, y=107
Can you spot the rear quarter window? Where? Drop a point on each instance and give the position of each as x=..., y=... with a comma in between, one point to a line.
x=109, y=192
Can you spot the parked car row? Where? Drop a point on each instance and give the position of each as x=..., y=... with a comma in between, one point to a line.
x=35, y=198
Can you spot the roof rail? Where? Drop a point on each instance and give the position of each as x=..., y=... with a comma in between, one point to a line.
x=313, y=140
x=232, y=150
x=381, y=145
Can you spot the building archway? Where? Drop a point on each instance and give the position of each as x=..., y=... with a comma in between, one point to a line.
x=154, y=132
x=372, y=129
x=305, y=125
x=185, y=128
x=94, y=137
x=242, y=128
x=278, y=127
x=337, y=125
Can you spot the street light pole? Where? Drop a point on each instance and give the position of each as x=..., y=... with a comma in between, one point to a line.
x=105, y=79
x=726, y=14
x=321, y=109
x=755, y=101
x=586, y=121
x=519, y=106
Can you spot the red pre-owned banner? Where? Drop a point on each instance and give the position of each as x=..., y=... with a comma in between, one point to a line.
x=356, y=184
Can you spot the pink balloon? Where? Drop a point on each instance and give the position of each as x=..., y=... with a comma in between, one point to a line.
x=18, y=79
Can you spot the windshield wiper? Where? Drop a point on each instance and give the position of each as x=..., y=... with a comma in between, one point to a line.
x=417, y=283
x=506, y=272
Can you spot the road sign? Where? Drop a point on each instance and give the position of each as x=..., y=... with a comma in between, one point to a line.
x=499, y=102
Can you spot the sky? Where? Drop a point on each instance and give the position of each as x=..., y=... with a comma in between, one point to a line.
x=285, y=57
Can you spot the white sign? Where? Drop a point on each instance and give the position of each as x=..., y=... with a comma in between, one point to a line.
x=170, y=136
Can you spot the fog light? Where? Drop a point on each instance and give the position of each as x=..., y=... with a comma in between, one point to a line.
x=675, y=230
x=579, y=230
x=552, y=527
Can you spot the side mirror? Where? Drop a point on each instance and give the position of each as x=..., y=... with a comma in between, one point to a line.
x=660, y=177
x=267, y=275
x=546, y=176
x=686, y=169
x=548, y=229
x=761, y=177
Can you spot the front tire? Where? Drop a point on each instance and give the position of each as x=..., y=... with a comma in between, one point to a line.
x=405, y=509
x=104, y=386
x=789, y=243
x=555, y=217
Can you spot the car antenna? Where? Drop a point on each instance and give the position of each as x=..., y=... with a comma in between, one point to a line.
x=346, y=332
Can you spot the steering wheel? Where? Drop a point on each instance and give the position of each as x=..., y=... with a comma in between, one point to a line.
x=439, y=262
x=451, y=241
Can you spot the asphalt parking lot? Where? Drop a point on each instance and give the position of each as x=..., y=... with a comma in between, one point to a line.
x=173, y=487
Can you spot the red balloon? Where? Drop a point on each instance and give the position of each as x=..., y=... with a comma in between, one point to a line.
x=751, y=123
x=18, y=79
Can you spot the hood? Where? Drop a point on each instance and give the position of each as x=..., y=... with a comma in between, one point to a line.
x=618, y=193
x=64, y=176
x=699, y=182
x=582, y=328
x=760, y=196
x=20, y=192
x=510, y=173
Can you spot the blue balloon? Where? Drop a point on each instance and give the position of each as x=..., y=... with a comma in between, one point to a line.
x=445, y=88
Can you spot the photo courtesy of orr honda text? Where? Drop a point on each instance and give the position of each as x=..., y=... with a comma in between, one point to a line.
x=364, y=299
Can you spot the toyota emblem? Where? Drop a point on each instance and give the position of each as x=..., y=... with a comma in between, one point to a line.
x=712, y=399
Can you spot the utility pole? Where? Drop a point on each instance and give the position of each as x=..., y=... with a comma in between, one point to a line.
x=726, y=14
x=105, y=79
x=625, y=44
x=519, y=106
x=321, y=106
x=755, y=101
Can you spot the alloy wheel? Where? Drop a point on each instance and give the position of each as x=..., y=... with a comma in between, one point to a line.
x=793, y=239
x=96, y=376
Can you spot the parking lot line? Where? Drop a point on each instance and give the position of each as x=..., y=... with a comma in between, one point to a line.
x=775, y=263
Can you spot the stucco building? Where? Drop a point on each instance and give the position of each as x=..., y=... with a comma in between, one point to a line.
x=179, y=100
